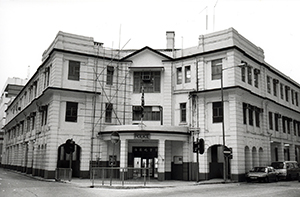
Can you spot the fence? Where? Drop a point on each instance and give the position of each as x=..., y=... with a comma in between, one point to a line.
x=120, y=176
x=63, y=174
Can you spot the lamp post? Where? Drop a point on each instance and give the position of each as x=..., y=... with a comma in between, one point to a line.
x=223, y=123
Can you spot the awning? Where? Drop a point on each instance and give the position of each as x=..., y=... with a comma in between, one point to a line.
x=154, y=68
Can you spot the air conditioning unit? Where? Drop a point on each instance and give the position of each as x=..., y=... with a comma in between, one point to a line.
x=146, y=77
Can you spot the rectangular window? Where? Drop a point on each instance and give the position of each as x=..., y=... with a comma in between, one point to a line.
x=299, y=129
x=216, y=69
x=296, y=99
x=150, y=113
x=295, y=127
x=292, y=97
x=270, y=120
x=28, y=124
x=179, y=75
x=110, y=75
x=269, y=84
x=22, y=127
x=283, y=125
x=182, y=112
x=47, y=77
x=275, y=82
x=287, y=88
x=108, y=112
x=257, y=117
x=71, y=112
x=217, y=112
x=32, y=122
x=250, y=112
x=276, y=122
x=187, y=74
x=243, y=70
x=288, y=122
x=281, y=91
x=249, y=75
x=245, y=113
x=150, y=80
x=74, y=70
x=44, y=114
x=256, y=72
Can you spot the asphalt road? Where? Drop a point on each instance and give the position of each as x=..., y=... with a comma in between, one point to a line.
x=15, y=184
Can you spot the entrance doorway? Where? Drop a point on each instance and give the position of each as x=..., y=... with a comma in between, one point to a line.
x=63, y=160
x=145, y=157
x=216, y=162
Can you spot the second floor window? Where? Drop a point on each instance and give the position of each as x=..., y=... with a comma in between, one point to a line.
x=256, y=78
x=281, y=91
x=277, y=116
x=47, y=77
x=187, y=74
x=287, y=91
x=150, y=80
x=151, y=113
x=249, y=69
x=216, y=69
x=74, y=70
x=243, y=69
x=270, y=120
x=182, y=112
x=71, y=112
x=108, y=112
x=275, y=82
x=179, y=75
x=110, y=75
x=269, y=84
x=217, y=112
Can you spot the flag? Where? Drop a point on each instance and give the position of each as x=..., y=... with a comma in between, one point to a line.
x=142, y=103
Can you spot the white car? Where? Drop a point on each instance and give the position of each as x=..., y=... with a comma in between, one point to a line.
x=263, y=173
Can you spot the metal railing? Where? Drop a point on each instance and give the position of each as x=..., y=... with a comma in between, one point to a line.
x=120, y=176
x=63, y=174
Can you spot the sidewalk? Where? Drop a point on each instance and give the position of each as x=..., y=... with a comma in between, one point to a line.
x=128, y=184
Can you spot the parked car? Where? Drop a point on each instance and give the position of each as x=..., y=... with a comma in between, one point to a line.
x=288, y=170
x=264, y=173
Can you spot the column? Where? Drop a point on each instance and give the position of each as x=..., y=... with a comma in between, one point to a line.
x=123, y=157
x=161, y=160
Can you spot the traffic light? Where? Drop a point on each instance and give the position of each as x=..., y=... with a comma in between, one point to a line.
x=195, y=147
x=69, y=146
x=198, y=146
x=201, y=146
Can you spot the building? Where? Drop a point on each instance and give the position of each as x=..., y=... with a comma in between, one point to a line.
x=160, y=102
x=11, y=89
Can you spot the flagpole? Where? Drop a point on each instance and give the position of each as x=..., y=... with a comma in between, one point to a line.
x=142, y=105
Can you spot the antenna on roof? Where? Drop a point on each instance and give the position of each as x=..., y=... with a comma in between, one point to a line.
x=206, y=19
x=214, y=15
x=28, y=72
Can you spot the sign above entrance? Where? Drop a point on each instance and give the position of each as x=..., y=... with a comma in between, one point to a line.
x=143, y=136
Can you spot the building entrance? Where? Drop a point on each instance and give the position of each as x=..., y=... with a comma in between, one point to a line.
x=145, y=157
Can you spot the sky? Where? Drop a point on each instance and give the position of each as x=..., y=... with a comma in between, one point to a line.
x=28, y=27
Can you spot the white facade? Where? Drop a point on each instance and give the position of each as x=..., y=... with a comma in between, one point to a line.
x=83, y=91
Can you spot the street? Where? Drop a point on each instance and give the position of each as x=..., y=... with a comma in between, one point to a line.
x=15, y=184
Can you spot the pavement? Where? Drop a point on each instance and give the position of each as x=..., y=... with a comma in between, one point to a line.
x=132, y=184
x=128, y=184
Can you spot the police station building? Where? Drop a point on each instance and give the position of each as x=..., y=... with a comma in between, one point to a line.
x=159, y=103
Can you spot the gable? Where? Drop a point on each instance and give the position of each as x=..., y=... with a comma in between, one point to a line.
x=147, y=57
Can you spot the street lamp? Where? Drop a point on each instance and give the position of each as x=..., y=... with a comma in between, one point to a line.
x=223, y=124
